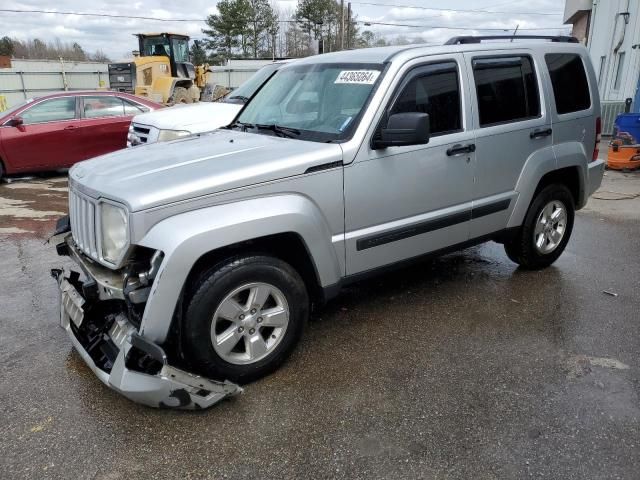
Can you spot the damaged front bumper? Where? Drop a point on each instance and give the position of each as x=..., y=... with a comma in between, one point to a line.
x=121, y=358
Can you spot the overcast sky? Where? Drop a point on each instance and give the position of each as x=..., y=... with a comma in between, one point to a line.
x=113, y=35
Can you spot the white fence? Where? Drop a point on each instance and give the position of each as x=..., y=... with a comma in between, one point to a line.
x=610, y=110
x=28, y=78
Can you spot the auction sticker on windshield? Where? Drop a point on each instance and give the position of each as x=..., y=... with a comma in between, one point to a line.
x=359, y=77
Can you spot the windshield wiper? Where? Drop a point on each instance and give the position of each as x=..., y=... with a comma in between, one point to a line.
x=287, y=132
x=240, y=97
x=241, y=125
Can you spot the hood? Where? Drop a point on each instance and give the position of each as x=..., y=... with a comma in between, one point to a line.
x=163, y=173
x=196, y=118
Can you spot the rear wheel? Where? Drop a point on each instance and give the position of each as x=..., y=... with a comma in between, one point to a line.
x=245, y=317
x=181, y=95
x=546, y=229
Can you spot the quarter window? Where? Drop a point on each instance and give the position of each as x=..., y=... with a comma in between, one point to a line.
x=133, y=108
x=507, y=89
x=53, y=110
x=569, y=82
x=435, y=90
x=102, y=106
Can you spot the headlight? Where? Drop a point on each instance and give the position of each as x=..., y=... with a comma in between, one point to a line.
x=115, y=232
x=166, y=135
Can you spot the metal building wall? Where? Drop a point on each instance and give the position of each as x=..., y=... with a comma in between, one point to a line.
x=29, y=78
x=608, y=31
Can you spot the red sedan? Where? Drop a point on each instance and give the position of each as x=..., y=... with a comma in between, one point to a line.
x=55, y=131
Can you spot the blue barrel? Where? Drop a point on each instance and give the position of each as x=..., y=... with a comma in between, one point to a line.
x=626, y=129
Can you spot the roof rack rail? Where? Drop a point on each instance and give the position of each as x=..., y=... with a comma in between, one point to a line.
x=465, y=39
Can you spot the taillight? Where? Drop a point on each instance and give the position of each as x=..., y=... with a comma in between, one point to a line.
x=596, y=147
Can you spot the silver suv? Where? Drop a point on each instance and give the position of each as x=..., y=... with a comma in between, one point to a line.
x=202, y=257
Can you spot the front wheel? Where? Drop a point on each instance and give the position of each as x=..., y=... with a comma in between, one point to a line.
x=546, y=229
x=181, y=95
x=245, y=317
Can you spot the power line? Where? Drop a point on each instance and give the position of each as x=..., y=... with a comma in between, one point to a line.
x=453, y=9
x=108, y=15
x=111, y=15
x=135, y=17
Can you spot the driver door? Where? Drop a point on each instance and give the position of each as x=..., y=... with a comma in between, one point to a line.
x=402, y=202
x=47, y=139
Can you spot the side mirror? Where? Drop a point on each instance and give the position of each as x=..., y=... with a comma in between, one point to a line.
x=405, y=129
x=15, y=122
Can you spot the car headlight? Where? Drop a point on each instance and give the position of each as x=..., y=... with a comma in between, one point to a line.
x=115, y=232
x=166, y=135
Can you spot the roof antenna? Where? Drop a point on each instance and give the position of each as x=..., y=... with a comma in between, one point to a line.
x=514, y=32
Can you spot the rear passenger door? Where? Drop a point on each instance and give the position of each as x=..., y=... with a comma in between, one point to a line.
x=512, y=129
x=574, y=118
x=103, y=125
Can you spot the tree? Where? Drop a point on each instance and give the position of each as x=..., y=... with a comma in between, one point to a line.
x=323, y=19
x=198, y=54
x=297, y=41
x=39, y=49
x=225, y=27
x=53, y=50
x=77, y=53
x=99, y=56
x=368, y=38
x=6, y=46
x=313, y=15
x=247, y=26
x=261, y=22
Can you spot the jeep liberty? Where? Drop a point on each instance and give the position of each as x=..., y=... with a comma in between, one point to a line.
x=201, y=258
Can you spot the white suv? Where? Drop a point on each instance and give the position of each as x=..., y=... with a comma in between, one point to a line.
x=183, y=120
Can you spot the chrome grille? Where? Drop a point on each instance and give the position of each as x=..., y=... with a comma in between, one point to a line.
x=82, y=214
x=141, y=132
x=138, y=135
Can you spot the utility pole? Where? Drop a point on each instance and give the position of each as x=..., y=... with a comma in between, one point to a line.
x=349, y=26
x=341, y=24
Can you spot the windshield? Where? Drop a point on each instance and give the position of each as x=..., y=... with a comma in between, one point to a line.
x=318, y=102
x=10, y=111
x=244, y=92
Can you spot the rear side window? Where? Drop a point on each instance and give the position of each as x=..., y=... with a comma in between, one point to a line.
x=569, y=82
x=507, y=89
x=433, y=89
x=102, y=106
x=133, y=109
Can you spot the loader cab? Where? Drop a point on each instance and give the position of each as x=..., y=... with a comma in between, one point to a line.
x=173, y=46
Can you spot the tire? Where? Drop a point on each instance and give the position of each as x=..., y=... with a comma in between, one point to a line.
x=181, y=95
x=533, y=247
x=223, y=337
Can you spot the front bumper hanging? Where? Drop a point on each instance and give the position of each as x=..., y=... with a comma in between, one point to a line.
x=125, y=361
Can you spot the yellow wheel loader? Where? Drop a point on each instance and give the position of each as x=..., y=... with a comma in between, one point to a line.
x=162, y=71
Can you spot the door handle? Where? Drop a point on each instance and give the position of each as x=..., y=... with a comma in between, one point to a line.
x=460, y=149
x=540, y=133
x=70, y=127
